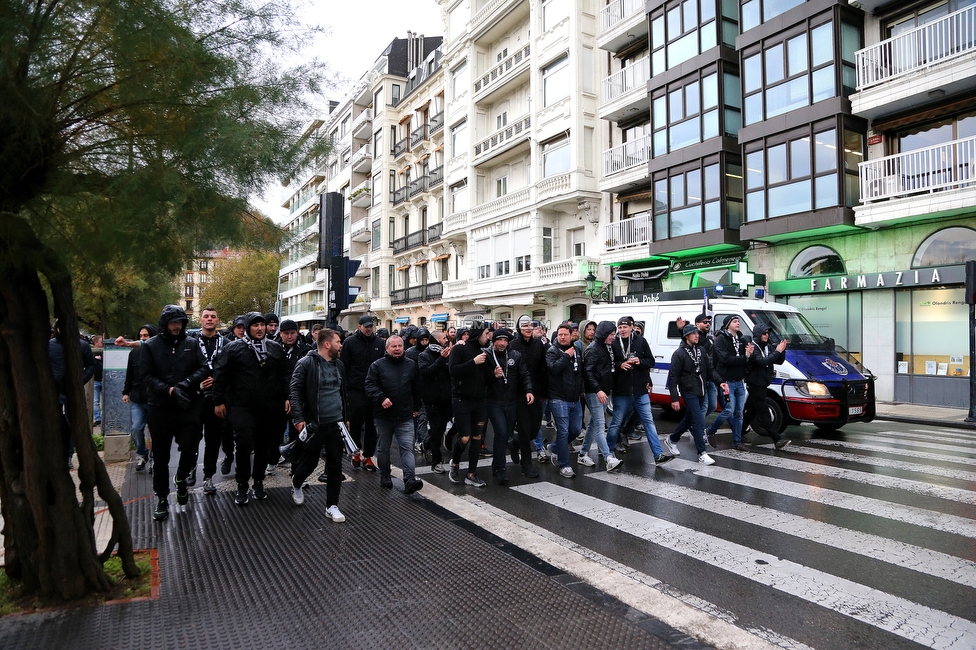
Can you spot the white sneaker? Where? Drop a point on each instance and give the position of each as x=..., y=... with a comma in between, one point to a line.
x=585, y=461
x=705, y=459
x=335, y=514
x=613, y=463
x=672, y=447
x=297, y=496
x=567, y=472
x=270, y=470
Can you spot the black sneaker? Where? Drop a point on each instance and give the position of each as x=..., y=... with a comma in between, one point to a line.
x=323, y=477
x=386, y=481
x=182, y=494
x=225, y=465
x=141, y=464
x=454, y=474
x=501, y=476
x=243, y=495
x=412, y=485
x=162, y=510
x=529, y=470
x=782, y=442
x=663, y=458
x=259, y=492
x=513, y=448
x=191, y=480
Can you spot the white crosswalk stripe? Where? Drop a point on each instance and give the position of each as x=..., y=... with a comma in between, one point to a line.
x=906, y=448
x=896, y=615
x=878, y=480
x=897, y=436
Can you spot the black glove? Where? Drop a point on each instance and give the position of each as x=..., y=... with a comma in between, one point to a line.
x=182, y=399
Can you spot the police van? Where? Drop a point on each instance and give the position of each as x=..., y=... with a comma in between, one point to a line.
x=814, y=384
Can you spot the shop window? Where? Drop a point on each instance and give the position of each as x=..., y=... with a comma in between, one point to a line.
x=947, y=246
x=932, y=332
x=817, y=260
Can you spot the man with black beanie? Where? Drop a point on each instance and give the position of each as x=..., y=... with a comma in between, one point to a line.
x=271, y=319
x=529, y=416
x=295, y=348
x=508, y=384
x=359, y=351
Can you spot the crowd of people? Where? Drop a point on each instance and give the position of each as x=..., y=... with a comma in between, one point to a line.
x=262, y=383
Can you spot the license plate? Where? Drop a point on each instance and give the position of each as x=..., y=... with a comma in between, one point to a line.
x=855, y=410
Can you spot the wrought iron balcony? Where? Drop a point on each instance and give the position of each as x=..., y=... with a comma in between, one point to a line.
x=401, y=147
x=434, y=232
x=417, y=186
x=399, y=195
x=418, y=135
x=433, y=291
x=413, y=240
x=436, y=122
x=435, y=177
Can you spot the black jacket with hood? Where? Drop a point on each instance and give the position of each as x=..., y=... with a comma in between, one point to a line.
x=398, y=379
x=514, y=383
x=683, y=376
x=303, y=391
x=423, y=340
x=358, y=354
x=467, y=379
x=172, y=361
x=634, y=381
x=435, y=376
x=565, y=373
x=240, y=380
x=759, y=368
x=598, y=370
x=729, y=355
x=533, y=354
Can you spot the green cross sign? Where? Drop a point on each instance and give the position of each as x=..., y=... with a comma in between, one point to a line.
x=743, y=277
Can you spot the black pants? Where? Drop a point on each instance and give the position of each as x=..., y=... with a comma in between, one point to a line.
x=529, y=419
x=277, y=439
x=217, y=435
x=757, y=413
x=438, y=415
x=167, y=426
x=326, y=438
x=470, y=418
x=253, y=429
x=361, y=426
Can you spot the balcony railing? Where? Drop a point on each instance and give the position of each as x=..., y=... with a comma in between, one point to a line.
x=360, y=231
x=432, y=291
x=401, y=147
x=435, y=177
x=436, y=122
x=941, y=167
x=575, y=269
x=619, y=11
x=627, y=233
x=363, y=157
x=623, y=81
x=502, y=71
x=362, y=121
x=627, y=155
x=417, y=186
x=455, y=221
x=399, y=195
x=499, y=138
x=434, y=232
x=413, y=240
x=418, y=135
x=923, y=47
x=513, y=201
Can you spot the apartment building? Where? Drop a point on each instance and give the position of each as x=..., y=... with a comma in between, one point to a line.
x=823, y=144
x=521, y=192
x=193, y=279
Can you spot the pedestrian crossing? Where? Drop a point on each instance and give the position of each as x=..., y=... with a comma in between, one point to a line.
x=864, y=540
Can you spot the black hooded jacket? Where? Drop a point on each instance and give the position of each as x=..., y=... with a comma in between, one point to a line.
x=634, y=381
x=565, y=373
x=435, y=376
x=467, y=379
x=358, y=354
x=684, y=378
x=172, y=361
x=759, y=367
x=133, y=386
x=396, y=379
x=414, y=352
x=729, y=355
x=533, y=354
x=240, y=380
x=515, y=381
x=598, y=370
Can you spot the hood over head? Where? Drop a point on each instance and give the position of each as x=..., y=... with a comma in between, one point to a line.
x=423, y=333
x=239, y=320
x=760, y=329
x=253, y=317
x=171, y=313
x=149, y=328
x=583, y=324
x=603, y=329
x=522, y=320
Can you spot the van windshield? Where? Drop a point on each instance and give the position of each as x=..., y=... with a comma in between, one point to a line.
x=792, y=326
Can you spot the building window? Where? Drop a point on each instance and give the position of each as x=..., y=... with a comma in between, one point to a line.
x=546, y=245
x=189, y=278
x=817, y=260
x=189, y=306
x=393, y=184
x=521, y=240
x=690, y=201
x=556, y=157
x=501, y=120
x=203, y=278
x=459, y=197
x=687, y=113
x=501, y=186
x=459, y=138
x=684, y=30
x=378, y=102
x=459, y=80
x=577, y=242
x=376, y=234
x=947, y=246
x=344, y=127
x=374, y=282
x=188, y=292
x=203, y=266
x=755, y=12
x=555, y=81
x=378, y=143
x=377, y=189
x=929, y=326
x=483, y=258
x=553, y=11
x=396, y=94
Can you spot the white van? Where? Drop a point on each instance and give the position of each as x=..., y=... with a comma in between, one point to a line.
x=814, y=384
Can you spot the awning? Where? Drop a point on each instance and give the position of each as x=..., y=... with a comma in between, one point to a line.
x=440, y=318
x=402, y=319
x=438, y=148
x=637, y=196
x=403, y=268
x=421, y=262
x=442, y=256
x=650, y=273
x=405, y=118
x=421, y=159
x=422, y=106
x=516, y=300
x=439, y=93
x=403, y=169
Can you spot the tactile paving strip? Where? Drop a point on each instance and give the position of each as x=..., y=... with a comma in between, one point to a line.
x=395, y=574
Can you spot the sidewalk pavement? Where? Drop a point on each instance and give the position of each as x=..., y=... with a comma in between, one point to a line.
x=402, y=571
x=924, y=415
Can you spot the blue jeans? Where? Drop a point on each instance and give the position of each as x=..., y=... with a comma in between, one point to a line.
x=733, y=411
x=568, y=417
x=97, y=411
x=693, y=411
x=140, y=414
x=711, y=399
x=623, y=405
x=596, y=430
x=386, y=431
x=502, y=418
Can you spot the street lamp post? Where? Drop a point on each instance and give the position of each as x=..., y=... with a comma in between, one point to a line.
x=597, y=290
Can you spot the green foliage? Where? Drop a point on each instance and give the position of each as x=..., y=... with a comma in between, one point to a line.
x=237, y=286
x=99, y=441
x=132, y=133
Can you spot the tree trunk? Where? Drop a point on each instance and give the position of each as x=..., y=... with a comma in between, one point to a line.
x=49, y=537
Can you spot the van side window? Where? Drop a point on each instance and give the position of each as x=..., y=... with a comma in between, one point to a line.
x=718, y=319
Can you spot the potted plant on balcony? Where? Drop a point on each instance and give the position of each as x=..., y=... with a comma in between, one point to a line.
x=361, y=191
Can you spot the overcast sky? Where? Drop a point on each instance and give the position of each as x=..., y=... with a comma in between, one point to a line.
x=359, y=30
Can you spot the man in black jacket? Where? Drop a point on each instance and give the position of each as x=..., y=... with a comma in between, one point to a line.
x=317, y=399
x=359, y=351
x=216, y=434
x=632, y=363
x=172, y=368
x=468, y=402
x=134, y=394
x=251, y=380
x=435, y=378
x=731, y=352
x=393, y=387
x=529, y=416
x=690, y=369
x=598, y=371
x=565, y=388
x=295, y=348
x=508, y=383
x=759, y=375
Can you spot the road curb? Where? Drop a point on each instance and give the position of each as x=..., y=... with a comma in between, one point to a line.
x=965, y=426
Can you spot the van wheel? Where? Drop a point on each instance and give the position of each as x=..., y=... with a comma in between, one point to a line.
x=776, y=414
